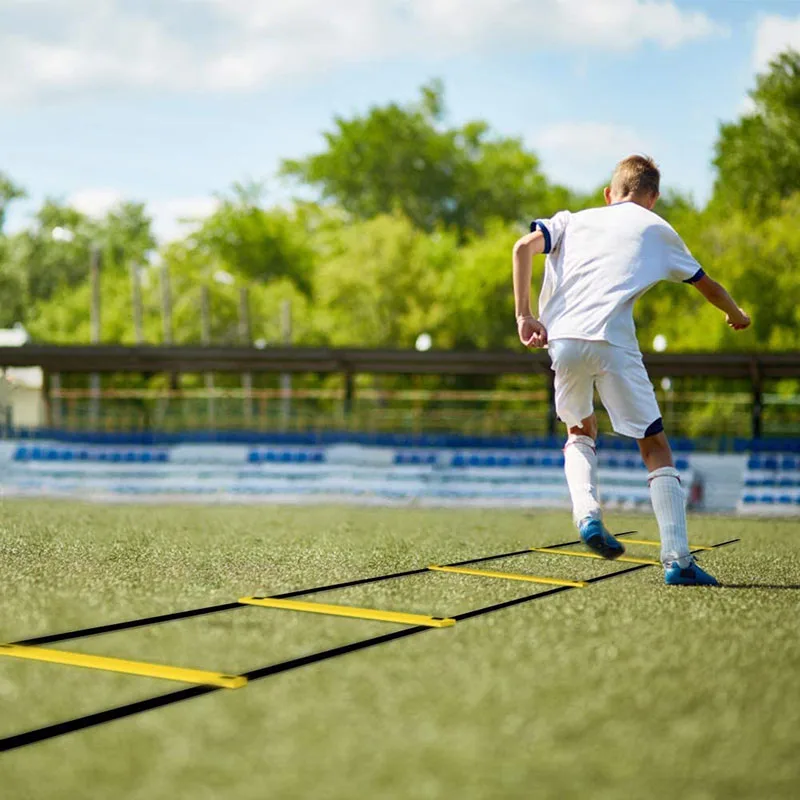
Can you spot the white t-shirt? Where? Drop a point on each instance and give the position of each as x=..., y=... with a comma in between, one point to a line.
x=599, y=262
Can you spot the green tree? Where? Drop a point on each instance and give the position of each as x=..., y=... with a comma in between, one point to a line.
x=9, y=192
x=255, y=243
x=378, y=284
x=475, y=295
x=55, y=252
x=404, y=158
x=758, y=157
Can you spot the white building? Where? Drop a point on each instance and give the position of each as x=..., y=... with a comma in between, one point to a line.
x=21, y=398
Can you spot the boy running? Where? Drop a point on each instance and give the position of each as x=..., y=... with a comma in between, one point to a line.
x=599, y=262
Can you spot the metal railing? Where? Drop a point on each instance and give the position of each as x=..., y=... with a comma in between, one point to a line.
x=525, y=412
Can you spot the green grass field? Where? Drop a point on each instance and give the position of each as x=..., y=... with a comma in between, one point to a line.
x=626, y=689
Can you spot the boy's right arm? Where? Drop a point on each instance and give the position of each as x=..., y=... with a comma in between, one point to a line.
x=717, y=295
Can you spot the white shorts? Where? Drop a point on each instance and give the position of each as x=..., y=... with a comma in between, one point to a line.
x=622, y=383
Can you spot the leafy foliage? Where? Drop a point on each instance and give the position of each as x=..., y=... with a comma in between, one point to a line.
x=413, y=234
x=405, y=159
x=758, y=157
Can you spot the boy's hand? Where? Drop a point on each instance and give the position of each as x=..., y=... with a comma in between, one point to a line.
x=738, y=321
x=531, y=332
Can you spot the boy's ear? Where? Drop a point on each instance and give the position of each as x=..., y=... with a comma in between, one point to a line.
x=607, y=195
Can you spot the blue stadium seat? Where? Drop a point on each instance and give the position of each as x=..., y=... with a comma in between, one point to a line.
x=749, y=499
x=770, y=462
x=785, y=499
x=754, y=462
x=682, y=464
x=789, y=463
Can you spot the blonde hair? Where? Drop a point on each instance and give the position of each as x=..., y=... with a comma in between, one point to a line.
x=635, y=175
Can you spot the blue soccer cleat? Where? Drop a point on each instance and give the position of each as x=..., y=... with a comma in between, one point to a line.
x=693, y=575
x=595, y=536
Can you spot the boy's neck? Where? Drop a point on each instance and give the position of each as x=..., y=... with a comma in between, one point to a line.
x=645, y=201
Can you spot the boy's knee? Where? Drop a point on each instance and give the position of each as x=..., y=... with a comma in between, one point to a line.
x=588, y=427
x=656, y=451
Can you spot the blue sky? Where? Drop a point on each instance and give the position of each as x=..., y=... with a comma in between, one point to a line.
x=170, y=101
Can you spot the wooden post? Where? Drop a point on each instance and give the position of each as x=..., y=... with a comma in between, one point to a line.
x=136, y=303
x=166, y=305
x=205, y=336
x=94, y=378
x=552, y=418
x=246, y=337
x=286, y=378
x=54, y=399
x=349, y=393
x=757, y=411
x=166, y=322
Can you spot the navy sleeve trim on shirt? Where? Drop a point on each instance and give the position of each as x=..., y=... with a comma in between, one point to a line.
x=696, y=277
x=548, y=242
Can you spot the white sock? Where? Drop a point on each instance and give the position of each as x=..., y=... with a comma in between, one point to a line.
x=580, y=467
x=669, y=505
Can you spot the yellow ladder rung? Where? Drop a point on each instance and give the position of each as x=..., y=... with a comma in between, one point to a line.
x=624, y=559
x=109, y=664
x=511, y=576
x=349, y=611
x=656, y=543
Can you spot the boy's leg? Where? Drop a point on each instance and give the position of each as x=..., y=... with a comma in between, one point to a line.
x=630, y=400
x=580, y=469
x=669, y=506
x=669, y=503
x=575, y=368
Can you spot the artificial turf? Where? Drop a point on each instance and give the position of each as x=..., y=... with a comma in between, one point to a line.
x=624, y=689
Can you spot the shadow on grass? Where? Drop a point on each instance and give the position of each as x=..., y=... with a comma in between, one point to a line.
x=795, y=586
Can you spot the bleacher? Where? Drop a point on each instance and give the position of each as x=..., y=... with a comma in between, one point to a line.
x=437, y=470
x=771, y=483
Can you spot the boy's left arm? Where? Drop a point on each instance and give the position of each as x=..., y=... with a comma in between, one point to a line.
x=531, y=332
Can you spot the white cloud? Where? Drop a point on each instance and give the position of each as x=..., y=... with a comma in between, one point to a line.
x=69, y=45
x=173, y=218
x=95, y=203
x=178, y=216
x=583, y=154
x=774, y=35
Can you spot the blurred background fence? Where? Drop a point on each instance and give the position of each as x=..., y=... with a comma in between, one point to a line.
x=687, y=412
x=296, y=389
